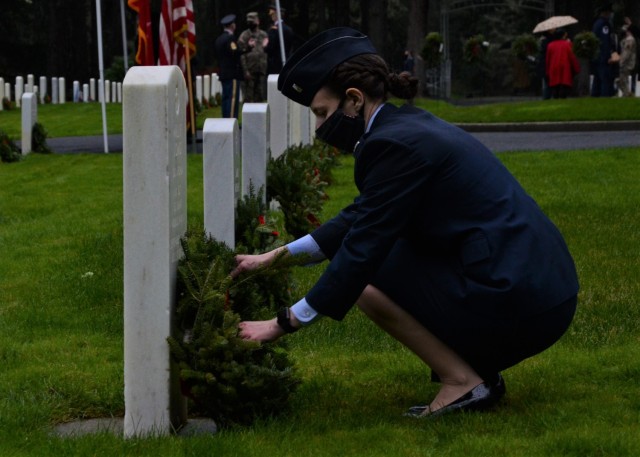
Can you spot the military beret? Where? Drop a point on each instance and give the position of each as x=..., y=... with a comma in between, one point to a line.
x=228, y=19
x=307, y=70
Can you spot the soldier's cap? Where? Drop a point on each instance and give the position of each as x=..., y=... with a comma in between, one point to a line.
x=252, y=16
x=307, y=70
x=228, y=19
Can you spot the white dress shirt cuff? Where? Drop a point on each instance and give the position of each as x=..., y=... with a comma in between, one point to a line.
x=305, y=313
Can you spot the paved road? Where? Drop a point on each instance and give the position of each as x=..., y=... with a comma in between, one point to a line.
x=532, y=137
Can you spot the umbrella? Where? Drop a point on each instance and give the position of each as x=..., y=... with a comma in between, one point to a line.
x=555, y=22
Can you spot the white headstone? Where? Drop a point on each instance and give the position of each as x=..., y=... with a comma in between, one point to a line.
x=637, y=86
x=92, y=89
x=155, y=218
x=29, y=119
x=221, y=164
x=77, y=95
x=295, y=123
x=279, y=114
x=30, y=84
x=7, y=91
x=255, y=146
x=43, y=88
x=19, y=90
x=62, y=90
x=100, y=90
x=206, y=87
x=107, y=91
x=119, y=89
x=1, y=94
x=216, y=87
x=199, y=89
x=85, y=93
x=114, y=91
x=54, y=90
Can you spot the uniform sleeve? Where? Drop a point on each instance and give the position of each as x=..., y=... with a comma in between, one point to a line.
x=392, y=183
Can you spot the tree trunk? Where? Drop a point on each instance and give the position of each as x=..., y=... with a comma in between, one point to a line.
x=418, y=16
x=377, y=13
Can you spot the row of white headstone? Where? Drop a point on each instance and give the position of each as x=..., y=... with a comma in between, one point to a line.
x=206, y=86
x=155, y=209
x=92, y=91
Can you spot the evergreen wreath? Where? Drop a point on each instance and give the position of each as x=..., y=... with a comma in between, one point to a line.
x=9, y=152
x=232, y=380
x=475, y=49
x=525, y=46
x=432, y=50
x=296, y=180
x=586, y=45
x=39, y=139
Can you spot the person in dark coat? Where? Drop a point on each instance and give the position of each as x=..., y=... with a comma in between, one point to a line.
x=603, y=68
x=442, y=248
x=274, y=53
x=228, y=54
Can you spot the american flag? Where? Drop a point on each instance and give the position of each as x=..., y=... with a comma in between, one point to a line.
x=144, y=56
x=177, y=27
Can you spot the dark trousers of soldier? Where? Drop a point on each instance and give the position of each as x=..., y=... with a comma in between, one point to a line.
x=253, y=89
x=230, y=98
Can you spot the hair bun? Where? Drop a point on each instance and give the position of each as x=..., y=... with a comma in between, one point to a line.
x=403, y=85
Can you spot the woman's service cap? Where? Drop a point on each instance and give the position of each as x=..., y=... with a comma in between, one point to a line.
x=306, y=71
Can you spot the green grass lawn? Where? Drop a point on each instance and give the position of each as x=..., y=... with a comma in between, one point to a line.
x=80, y=119
x=61, y=344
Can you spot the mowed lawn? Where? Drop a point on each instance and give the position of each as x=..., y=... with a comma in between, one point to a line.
x=61, y=321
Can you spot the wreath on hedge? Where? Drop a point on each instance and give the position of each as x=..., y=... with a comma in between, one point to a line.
x=525, y=46
x=431, y=51
x=475, y=49
x=9, y=152
x=586, y=45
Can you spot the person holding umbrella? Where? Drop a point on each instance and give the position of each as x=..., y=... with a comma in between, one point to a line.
x=442, y=248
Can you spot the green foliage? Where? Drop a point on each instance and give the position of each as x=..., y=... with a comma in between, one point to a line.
x=256, y=228
x=432, y=50
x=586, y=45
x=525, y=46
x=297, y=180
x=9, y=152
x=232, y=380
x=39, y=139
x=116, y=71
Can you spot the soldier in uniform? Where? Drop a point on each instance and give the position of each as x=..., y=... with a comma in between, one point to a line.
x=254, y=60
x=603, y=68
x=228, y=54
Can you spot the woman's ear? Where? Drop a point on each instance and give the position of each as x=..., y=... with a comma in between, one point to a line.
x=356, y=97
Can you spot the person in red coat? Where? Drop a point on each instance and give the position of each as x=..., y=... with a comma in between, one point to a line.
x=561, y=65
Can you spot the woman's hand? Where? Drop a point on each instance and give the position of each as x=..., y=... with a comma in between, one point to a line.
x=246, y=262
x=263, y=331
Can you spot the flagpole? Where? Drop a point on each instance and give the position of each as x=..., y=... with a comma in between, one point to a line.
x=280, y=33
x=101, y=67
x=190, y=86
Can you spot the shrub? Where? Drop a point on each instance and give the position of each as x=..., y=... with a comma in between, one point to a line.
x=475, y=49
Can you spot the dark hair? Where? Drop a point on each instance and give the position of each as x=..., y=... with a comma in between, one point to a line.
x=370, y=74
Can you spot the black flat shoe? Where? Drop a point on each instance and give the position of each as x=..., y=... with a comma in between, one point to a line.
x=479, y=398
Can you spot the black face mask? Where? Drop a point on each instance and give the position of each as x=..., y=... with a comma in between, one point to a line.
x=341, y=130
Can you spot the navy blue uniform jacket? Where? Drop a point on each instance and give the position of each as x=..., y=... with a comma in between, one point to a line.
x=483, y=242
x=228, y=54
